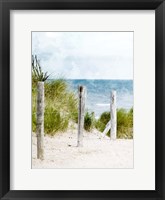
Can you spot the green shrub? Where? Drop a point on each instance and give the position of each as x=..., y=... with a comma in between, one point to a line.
x=63, y=100
x=102, y=121
x=89, y=120
x=60, y=103
x=37, y=73
x=124, y=123
x=54, y=121
x=60, y=106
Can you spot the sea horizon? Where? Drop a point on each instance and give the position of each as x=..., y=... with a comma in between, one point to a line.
x=88, y=79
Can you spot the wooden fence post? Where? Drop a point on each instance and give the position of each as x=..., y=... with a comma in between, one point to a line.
x=113, y=115
x=40, y=120
x=81, y=112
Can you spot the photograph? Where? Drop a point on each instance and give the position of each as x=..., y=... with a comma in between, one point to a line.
x=82, y=100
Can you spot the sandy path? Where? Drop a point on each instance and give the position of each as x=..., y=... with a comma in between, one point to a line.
x=61, y=152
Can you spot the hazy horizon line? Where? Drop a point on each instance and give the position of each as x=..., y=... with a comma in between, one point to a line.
x=89, y=79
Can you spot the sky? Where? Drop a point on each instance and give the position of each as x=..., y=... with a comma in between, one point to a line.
x=85, y=55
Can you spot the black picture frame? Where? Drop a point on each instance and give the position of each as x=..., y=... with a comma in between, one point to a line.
x=5, y=7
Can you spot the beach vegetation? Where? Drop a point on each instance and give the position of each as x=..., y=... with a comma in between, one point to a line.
x=37, y=73
x=61, y=107
x=89, y=121
x=102, y=121
x=61, y=104
x=124, y=123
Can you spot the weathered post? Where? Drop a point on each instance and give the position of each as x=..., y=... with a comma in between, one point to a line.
x=81, y=112
x=40, y=120
x=113, y=115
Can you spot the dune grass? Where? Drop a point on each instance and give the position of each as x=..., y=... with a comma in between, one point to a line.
x=60, y=106
x=89, y=121
x=60, y=103
x=124, y=123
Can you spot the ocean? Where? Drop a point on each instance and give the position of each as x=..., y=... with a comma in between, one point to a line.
x=98, y=93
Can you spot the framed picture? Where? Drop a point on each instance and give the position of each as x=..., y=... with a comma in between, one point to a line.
x=103, y=73
x=82, y=99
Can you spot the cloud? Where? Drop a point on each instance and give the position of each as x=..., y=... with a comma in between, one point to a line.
x=85, y=55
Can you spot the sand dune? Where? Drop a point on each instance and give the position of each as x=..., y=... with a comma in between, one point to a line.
x=61, y=151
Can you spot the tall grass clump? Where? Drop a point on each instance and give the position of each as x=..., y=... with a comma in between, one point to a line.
x=124, y=123
x=89, y=121
x=60, y=106
x=54, y=121
x=60, y=103
x=102, y=121
x=37, y=73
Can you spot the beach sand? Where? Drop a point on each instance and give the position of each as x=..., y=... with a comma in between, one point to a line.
x=61, y=151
